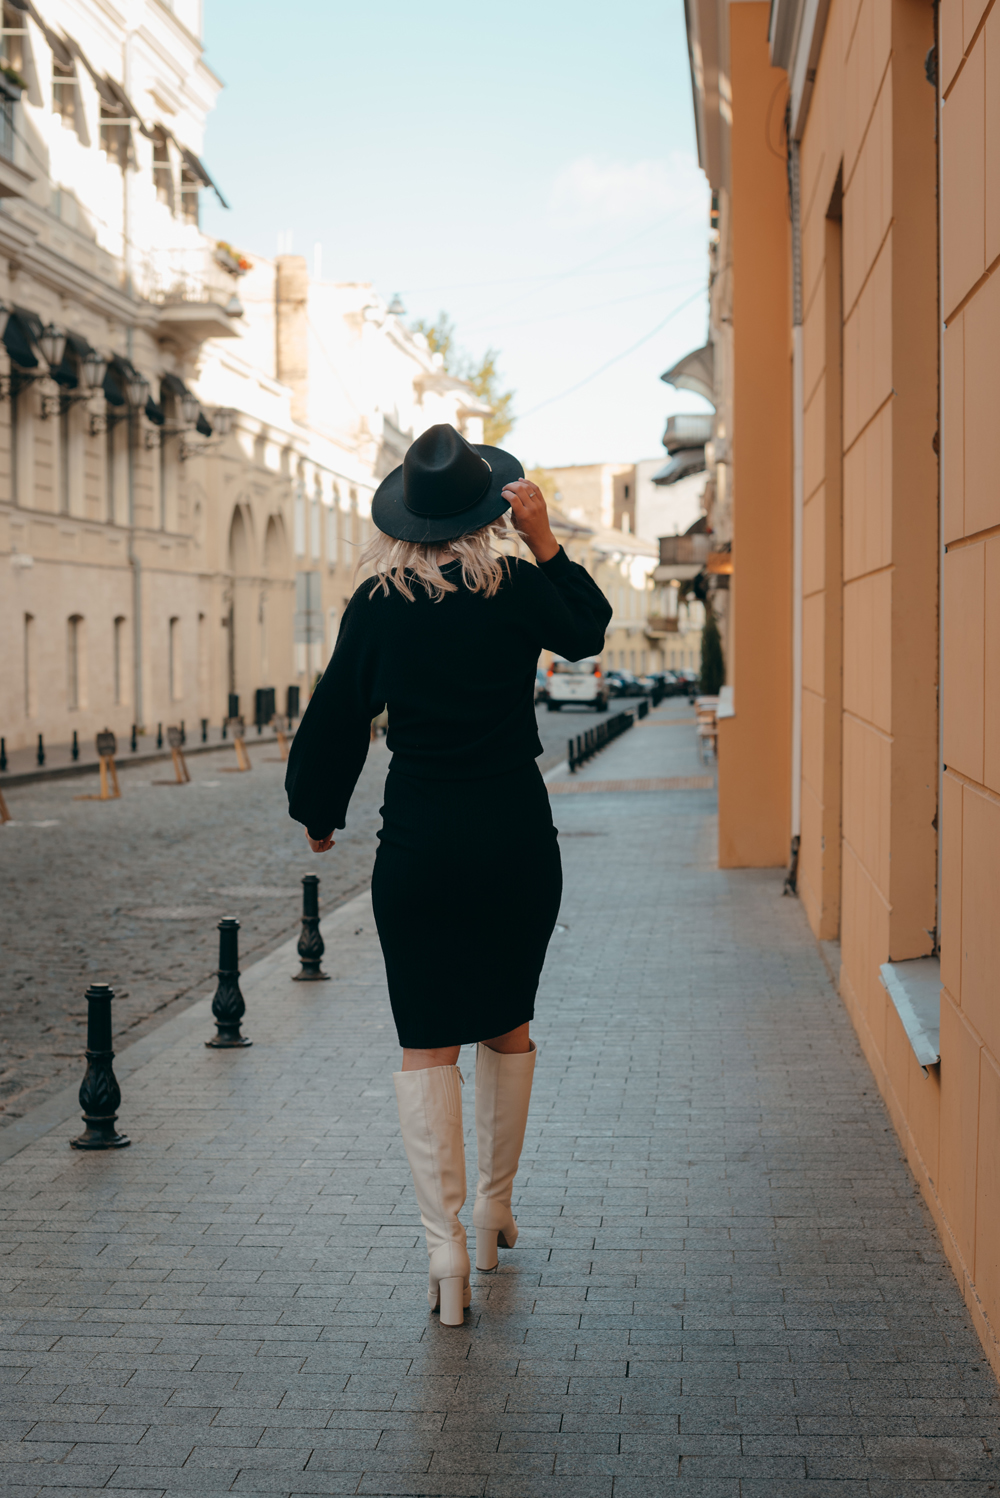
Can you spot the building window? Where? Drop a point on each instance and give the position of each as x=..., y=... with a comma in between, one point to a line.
x=119, y=646
x=30, y=701
x=64, y=96
x=74, y=647
x=189, y=196
x=314, y=530
x=332, y=534
x=174, y=660
x=300, y=523
x=116, y=135
x=308, y=623
x=64, y=436
x=14, y=37
x=163, y=171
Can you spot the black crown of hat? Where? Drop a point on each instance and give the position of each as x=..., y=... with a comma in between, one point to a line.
x=444, y=488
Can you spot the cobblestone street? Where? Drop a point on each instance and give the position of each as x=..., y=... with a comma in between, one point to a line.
x=726, y=1284
x=129, y=892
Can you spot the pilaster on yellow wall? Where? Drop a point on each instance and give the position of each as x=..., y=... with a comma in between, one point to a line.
x=755, y=745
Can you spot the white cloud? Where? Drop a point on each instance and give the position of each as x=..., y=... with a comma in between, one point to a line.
x=595, y=189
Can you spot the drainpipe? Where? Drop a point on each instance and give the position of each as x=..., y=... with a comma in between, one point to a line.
x=798, y=420
x=933, y=69
x=131, y=432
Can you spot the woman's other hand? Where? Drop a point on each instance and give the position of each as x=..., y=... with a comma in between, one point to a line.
x=320, y=844
x=531, y=518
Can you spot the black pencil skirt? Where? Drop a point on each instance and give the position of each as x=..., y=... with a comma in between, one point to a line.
x=466, y=891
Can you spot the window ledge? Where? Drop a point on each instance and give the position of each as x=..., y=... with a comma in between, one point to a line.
x=915, y=990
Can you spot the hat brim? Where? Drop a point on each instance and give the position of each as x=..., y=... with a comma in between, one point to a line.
x=390, y=514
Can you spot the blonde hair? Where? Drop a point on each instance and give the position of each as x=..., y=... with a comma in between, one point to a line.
x=402, y=563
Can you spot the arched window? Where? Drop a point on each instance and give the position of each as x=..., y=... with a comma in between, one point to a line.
x=30, y=700
x=300, y=522
x=315, y=539
x=74, y=650
x=333, y=532
x=119, y=662
x=174, y=660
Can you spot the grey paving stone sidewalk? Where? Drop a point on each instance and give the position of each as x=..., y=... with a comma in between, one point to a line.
x=726, y=1285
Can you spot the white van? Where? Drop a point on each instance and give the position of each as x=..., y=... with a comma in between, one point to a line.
x=577, y=681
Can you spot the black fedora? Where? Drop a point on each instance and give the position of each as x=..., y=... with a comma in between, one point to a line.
x=444, y=488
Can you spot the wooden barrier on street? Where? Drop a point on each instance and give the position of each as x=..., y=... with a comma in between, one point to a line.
x=107, y=747
x=239, y=744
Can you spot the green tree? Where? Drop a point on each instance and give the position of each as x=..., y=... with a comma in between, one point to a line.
x=483, y=377
x=713, y=671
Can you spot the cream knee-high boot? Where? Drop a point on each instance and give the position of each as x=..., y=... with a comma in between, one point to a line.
x=503, y=1092
x=430, y=1116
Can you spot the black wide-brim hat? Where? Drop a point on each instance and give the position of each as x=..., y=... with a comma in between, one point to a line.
x=444, y=488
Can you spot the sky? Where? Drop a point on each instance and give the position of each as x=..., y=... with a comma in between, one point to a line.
x=528, y=168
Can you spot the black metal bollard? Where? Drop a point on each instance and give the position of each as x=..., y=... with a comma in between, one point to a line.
x=134, y=741
x=183, y=734
x=159, y=735
x=100, y=1096
x=204, y=730
x=223, y=728
x=311, y=945
x=3, y=754
x=228, y=1006
x=74, y=753
x=40, y=753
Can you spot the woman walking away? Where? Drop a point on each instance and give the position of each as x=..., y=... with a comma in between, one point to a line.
x=467, y=878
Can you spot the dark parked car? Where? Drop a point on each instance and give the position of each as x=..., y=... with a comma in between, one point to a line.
x=625, y=684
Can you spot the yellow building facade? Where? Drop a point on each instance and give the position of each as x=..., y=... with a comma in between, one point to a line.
x=854, y=157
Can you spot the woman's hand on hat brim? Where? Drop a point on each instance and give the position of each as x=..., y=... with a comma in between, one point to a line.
x=531, y=518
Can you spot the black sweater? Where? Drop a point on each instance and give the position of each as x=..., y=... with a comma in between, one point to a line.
x=457, y=676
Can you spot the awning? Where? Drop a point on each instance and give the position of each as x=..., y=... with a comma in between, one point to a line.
x=696, y=371
x=60, y=50
x=171, y=384
x=687, y=461
x=67, y=373
x=196, y=167
x=154, y=413
x=204, y=426
x=119, y=372
x=24, y=328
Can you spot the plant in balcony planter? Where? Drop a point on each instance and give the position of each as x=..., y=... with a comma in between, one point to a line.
x=231, y=260
x=13, y=78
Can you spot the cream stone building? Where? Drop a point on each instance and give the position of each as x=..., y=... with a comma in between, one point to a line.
x=189, y=437
x=651, y=629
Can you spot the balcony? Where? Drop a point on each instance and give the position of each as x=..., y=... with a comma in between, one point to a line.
x=682, y=557
x=659, y=625
x=195, y=292
x=687, y=430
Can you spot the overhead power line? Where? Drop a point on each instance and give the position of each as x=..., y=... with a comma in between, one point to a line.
x=623, y=355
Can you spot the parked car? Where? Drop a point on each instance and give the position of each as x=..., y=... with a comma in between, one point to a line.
x=577, y=681
x=541, y=685
x=624, y=684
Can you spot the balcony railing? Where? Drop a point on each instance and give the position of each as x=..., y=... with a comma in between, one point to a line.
x=687, y=430
x=184, y=275
x=684, y=551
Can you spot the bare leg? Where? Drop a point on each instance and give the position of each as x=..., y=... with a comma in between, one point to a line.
x=514, y=1043
x=445, y=1055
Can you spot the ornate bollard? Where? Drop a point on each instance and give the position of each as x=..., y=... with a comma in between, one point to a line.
x=3, y=754
x=228, y=1005
x=134, y=741
x=100, y=1097
x=204, y=730
x=311, y=945
x=159, y=735
x=40, y=754
x=183, y=734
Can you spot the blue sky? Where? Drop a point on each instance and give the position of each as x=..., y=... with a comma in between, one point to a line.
x=528, y=167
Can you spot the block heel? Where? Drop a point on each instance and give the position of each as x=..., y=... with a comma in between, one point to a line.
x=486, y=1248
x=451, y=1298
